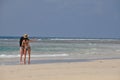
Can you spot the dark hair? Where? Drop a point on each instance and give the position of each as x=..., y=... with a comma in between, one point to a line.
x=20, y=42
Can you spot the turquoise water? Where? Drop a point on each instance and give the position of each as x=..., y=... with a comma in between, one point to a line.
x=64, y=48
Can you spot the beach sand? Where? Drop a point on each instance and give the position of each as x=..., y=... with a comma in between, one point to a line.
x=92, y=70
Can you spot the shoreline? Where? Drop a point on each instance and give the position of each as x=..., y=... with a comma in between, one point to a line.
x=15, y=61
x=95, y=70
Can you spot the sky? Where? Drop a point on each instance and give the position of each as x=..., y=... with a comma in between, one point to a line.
x=60, y=18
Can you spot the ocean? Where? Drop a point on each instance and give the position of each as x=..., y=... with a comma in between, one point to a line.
x=53, y=49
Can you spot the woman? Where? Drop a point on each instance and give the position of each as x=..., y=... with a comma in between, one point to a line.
x=26, y=48
x=21, y=49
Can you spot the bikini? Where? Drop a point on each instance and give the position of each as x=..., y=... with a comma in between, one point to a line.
x=26, y=47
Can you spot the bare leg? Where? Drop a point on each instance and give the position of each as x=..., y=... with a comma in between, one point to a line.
x=21, y=54
x=25, y=51
x=29, y=52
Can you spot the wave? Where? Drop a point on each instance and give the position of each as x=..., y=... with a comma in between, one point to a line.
x=55, y=38
x=82, y=39
x=35, y=56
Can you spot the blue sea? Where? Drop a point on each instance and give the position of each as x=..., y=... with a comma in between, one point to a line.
x=58, y=49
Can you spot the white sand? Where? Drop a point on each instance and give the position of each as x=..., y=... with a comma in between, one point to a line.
x=94, y=70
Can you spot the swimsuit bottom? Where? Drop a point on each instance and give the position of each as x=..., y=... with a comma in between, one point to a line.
x=27, y=47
